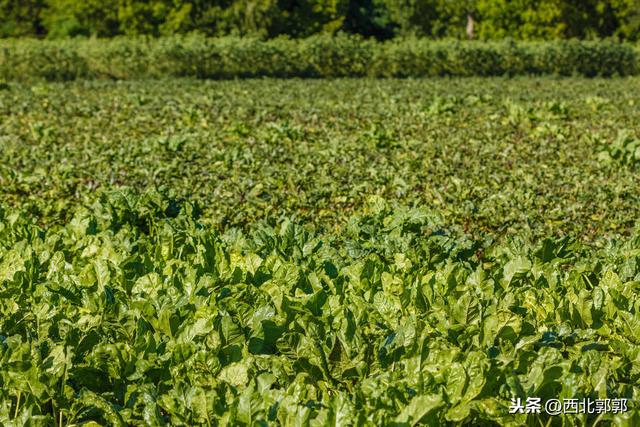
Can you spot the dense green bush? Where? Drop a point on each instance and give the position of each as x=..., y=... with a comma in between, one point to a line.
x=318, y=56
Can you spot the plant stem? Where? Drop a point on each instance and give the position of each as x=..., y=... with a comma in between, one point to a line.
x=15, y=415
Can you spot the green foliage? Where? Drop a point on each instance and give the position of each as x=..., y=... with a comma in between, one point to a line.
x=134, y=313
x=370, y=18
x=315, y=252
x=317, y=56
x=627, y=13
x=380, y=19
x=523, y=156
x=624, y=150
x=20, y=18
x=307, y=17
x=522, y=19
x=137, y=17
x=64, y=18
x=413, y=16
x=554, y=19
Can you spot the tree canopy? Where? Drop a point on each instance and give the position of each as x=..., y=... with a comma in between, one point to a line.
x=382, y=19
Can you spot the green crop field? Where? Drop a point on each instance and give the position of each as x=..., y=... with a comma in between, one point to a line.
x=318, y=252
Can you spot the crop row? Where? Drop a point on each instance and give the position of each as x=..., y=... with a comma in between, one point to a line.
x=318, y=56
x=525, y=156
x=134, y=313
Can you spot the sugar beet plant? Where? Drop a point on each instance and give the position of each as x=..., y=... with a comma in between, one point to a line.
x=134, y=313
x=318, y=252
x=542, y=157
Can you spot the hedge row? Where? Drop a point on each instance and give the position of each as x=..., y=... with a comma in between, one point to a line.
x=321, y=56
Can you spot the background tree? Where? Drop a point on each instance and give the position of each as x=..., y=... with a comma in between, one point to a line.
x=370, y=18
x=21, y=18
x=63, y=18
x=382, y=19
x=627, y=13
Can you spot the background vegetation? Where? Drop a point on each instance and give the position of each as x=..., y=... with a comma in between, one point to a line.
x=382, y=19
x=316, y=56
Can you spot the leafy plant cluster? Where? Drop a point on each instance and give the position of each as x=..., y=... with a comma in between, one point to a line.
x=318, y=252
x=500, y=156
x=134, y=313
x=624, y=150
x=318, y=56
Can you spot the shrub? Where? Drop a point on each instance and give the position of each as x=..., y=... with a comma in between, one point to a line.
x=318, y=56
